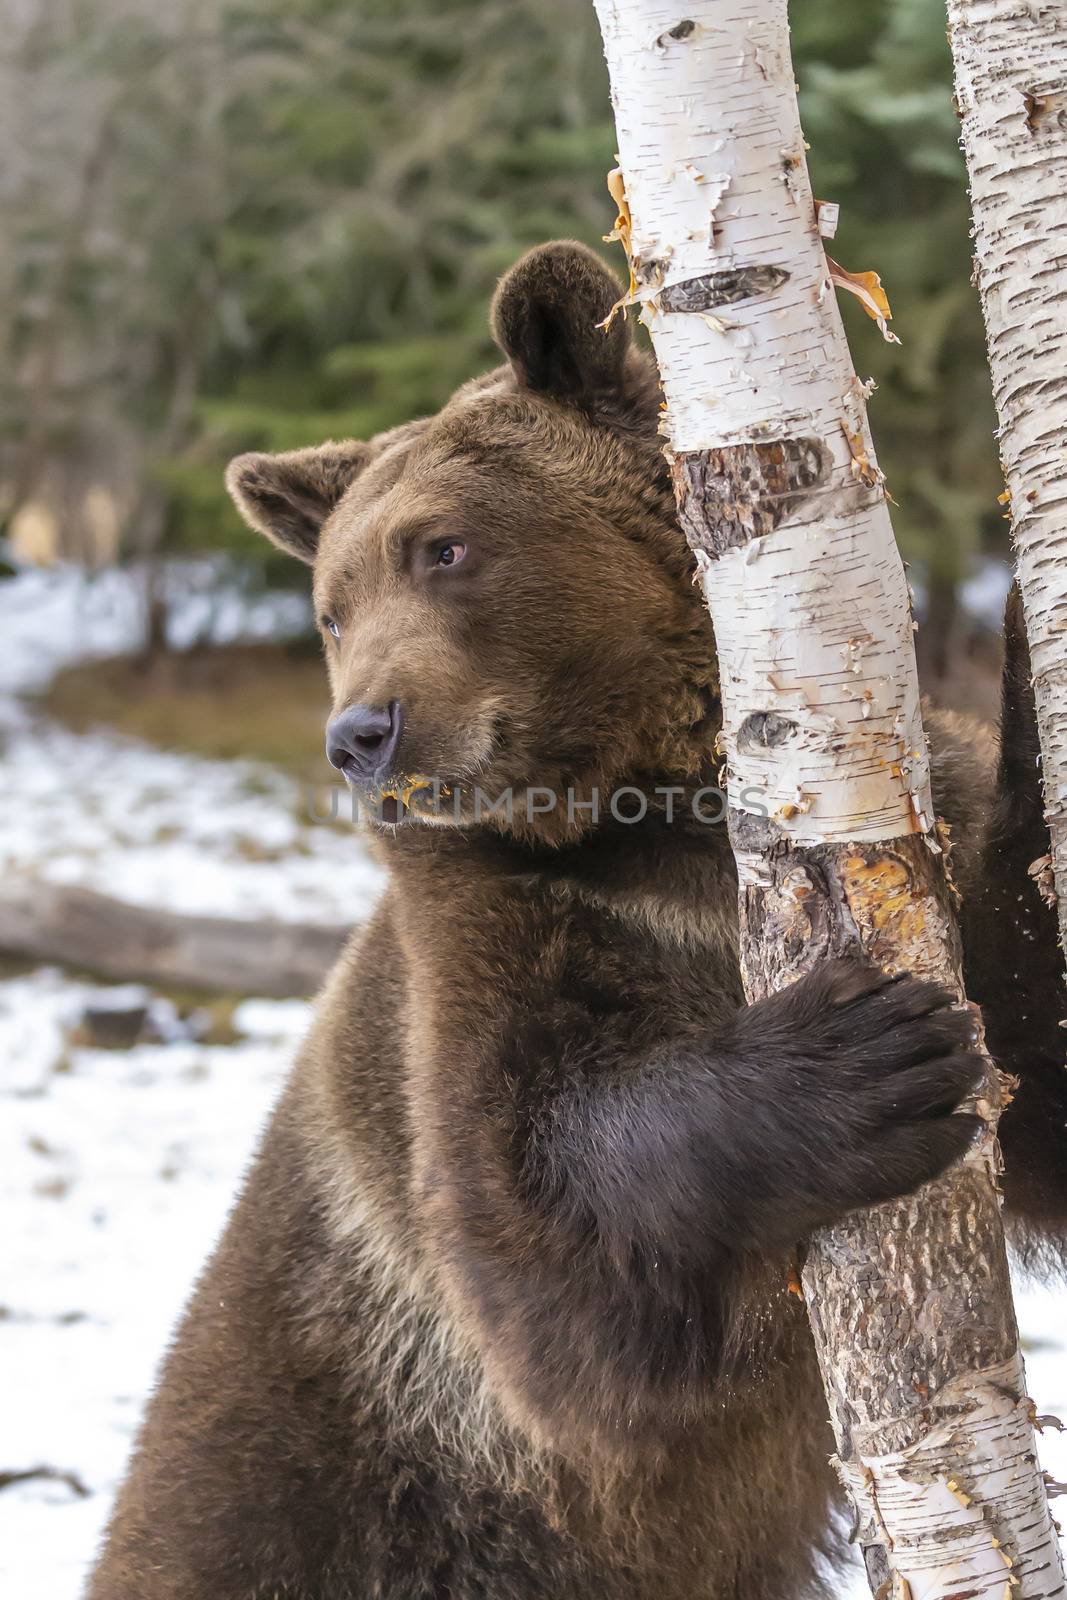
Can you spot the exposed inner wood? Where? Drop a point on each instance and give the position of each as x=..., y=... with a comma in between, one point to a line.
x=726, y=288
x=727, y=497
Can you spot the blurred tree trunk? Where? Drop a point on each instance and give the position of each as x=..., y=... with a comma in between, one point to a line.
x=1011, y=94
x=830, y=808
x=203, y=72
x=46, y=359
x=147, y=523
x=935, y=641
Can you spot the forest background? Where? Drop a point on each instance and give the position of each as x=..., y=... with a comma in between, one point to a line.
x=257, y=225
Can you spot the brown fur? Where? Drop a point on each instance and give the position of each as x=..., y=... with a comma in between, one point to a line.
x=502, y=1309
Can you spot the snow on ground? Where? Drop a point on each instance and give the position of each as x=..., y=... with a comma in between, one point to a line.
x=151, y=826
x=165, y=829
x=117, y=1168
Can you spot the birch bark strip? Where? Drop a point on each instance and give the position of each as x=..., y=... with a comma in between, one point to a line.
x=827, y=772
x=1011, y=94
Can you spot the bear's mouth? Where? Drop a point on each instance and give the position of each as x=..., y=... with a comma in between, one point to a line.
x=394, y=800
x=394, y=809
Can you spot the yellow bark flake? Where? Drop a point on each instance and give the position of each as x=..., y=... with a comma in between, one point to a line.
x=862, y=465
x=867, y=287
x=1045, y=1421
x=623, y=233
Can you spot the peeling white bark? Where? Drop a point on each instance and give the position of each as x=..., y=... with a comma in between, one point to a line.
x=704, y=201
x=937, y=1524
x=723, y=221
x=781, y=498
x=1011, y=92
x=854, y=765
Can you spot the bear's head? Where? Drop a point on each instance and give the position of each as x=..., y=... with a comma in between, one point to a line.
x=505, y=596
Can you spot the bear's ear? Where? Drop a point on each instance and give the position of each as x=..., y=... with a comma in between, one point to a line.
x=288, y=497
x=545, y=318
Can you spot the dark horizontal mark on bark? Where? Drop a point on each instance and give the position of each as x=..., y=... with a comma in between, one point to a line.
x=764, y=730
x=729, y=496
x=681, y=30
x=715, y=289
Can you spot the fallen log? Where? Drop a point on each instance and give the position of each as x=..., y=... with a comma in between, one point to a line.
x=82, y=928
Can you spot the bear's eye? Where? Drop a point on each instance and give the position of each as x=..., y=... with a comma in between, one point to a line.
x=331, y=627
x=450, y=553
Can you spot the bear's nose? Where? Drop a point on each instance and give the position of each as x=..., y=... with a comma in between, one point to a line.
x=361, y=741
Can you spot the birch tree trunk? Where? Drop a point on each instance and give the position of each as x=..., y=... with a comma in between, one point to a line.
x=1011, y=93
x=781, y=499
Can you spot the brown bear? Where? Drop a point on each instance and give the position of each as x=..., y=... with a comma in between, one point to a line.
x=502, y=1310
